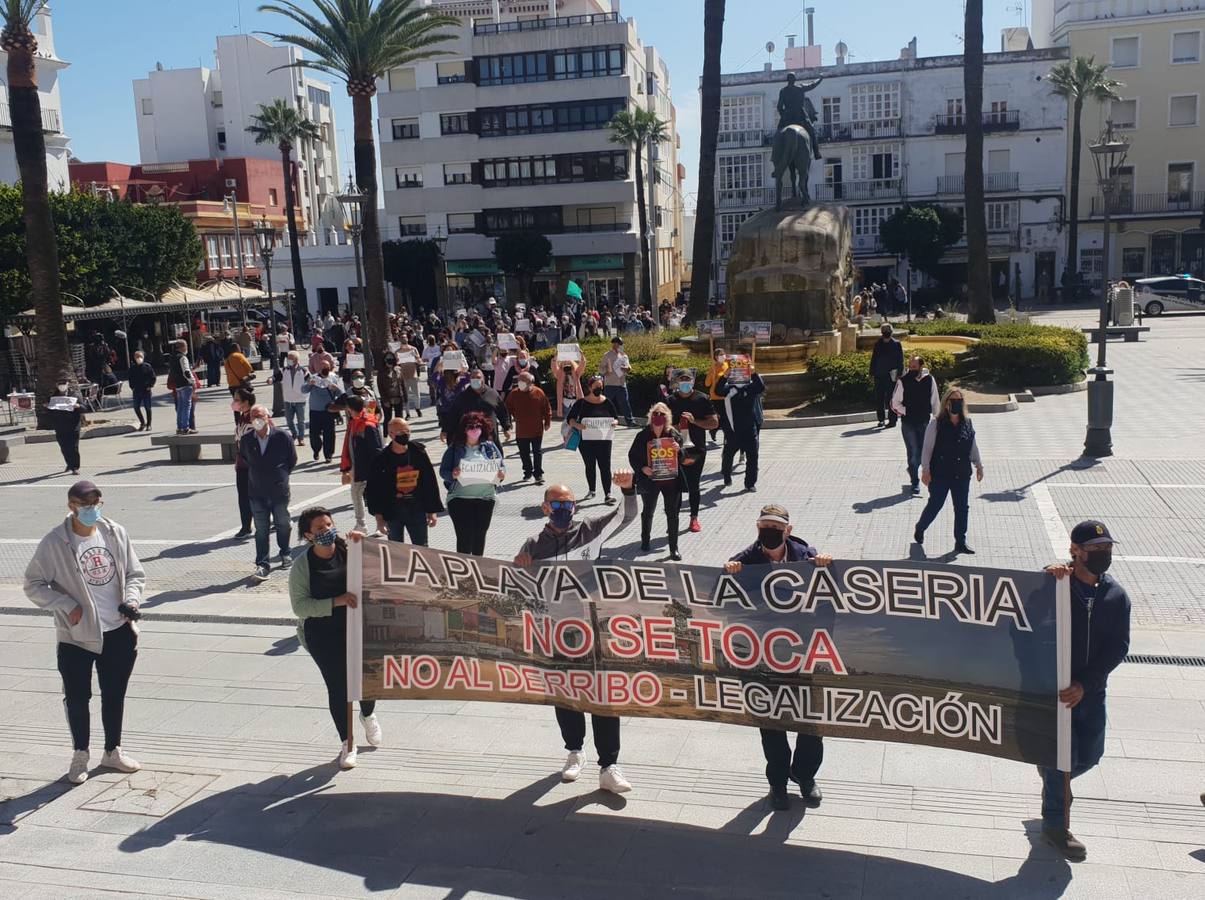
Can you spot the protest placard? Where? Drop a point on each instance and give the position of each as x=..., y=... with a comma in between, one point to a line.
x=522, y=326
x=353, y=361
x=739, y=369
x=507, y=341
x=758, y=332
x=712, y=328
x=600, y=428
x=479, y=471
x=453, y=361
x=663, y=458
x=569, y=352
x=912, y=652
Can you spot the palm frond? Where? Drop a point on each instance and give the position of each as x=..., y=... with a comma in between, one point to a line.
x=19, y=13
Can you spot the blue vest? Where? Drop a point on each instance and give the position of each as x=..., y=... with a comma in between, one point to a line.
x=952, y=447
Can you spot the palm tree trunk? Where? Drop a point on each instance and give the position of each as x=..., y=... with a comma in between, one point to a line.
x=300, y=304
x=709, y=127
x=1077, y=145
x=41, y=244
x=376, y=312
x=646, y=271
x=979, y=281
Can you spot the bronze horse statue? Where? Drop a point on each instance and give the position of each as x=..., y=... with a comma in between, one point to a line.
x=792, y=152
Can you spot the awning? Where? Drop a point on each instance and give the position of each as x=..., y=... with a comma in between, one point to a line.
x=177, y=299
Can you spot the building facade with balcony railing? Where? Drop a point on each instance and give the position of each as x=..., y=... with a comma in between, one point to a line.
x=892, y=133
x=48, y=65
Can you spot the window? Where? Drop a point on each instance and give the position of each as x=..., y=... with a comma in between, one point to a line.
x=604, y=165
x=1179, y=182
x=954, y=114
x=512, y=68
x=458, y=173
x=997, y=160
x=830, y=110
x=226, y=242
x=1186, y=47
x=408, y=178
x=1182, y=110
x=875, y=102
x=579, y=115
x=738, y=114
x=451, y=72
x=412, y=225
x=248, y=252
x=739, y=174
x=454, y=123
x=876, y=162
x=211, y=252
x=217, y=98
x=1133, y=261
x=598, y=218
x=405, y=129
x=999, y=216
x=461, y=223
x=730, y=223
x=998, y=114
x=867, y=219
x=318, y=97
x=272, y=197
x=1125, y=52
x=148, y=106
x=1163, y=253
x=539, y=218
x=221, y=140
x=1124, y=113
x=1124, y=200
x=402, y=79
x=588, y=62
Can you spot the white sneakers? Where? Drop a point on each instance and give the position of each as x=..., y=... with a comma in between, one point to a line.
x=78, y=773
x=611, y=779
x=572, y=769
x=347, y=756
x=116, y=759
x=372, y=730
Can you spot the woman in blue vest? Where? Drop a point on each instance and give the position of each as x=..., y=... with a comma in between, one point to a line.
x=946, y=460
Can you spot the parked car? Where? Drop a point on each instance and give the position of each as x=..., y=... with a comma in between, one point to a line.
x=1170, y=292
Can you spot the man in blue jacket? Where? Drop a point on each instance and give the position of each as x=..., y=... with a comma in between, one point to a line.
x=270, y=456
x=742, y=424
x=1100, y=640
x=775, y=545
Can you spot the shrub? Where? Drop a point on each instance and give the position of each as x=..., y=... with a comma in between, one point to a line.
x=1019, y=355
x=648, y=367
x=845, y=380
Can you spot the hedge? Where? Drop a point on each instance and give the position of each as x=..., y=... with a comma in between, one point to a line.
x=844, y=380
x=1019, y=355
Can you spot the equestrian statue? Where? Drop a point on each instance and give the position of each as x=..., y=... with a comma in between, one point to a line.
x=795, y=144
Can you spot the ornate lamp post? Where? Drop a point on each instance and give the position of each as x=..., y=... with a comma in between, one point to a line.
x=441, y=242
x=265, y=234
x=352, y=201
x=1108, y=155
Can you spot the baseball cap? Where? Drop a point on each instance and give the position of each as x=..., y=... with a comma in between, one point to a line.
x=617, y=340
x=1091, y=532
x=82, y=490
x=772, y=512
x=679, y=374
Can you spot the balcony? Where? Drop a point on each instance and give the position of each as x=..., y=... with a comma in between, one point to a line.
x=997, y=239
x=756, y=138
x=993, y=183
x=1162, y=203
x=758, y=197
x=546, y=24
x=956, y=123
x=879, y=189
x=51, y=123
x=868, y=245
x=868, y=130
x=566, y=228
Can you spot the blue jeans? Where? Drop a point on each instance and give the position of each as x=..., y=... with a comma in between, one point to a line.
x=295, y=419
x=939, y=488
x=1087, y=747
x=183, y=408
x=618, y=395
x=914, y=443
x=278, y=511
x=409, y=518
x=142, y=402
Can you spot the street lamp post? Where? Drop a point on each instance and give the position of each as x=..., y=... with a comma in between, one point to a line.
x=265, y=234
x=1108, y=155
x=352, y=200
x=231, y=204
x=441, y=242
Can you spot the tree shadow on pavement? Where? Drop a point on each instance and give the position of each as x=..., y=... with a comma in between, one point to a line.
x=524, y=846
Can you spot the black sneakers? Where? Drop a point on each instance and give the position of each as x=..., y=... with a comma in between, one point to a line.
x=779, y=800
x=1066, y=843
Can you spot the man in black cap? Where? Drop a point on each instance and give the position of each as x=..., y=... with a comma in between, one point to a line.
x=86, y=573
x=1100, y=640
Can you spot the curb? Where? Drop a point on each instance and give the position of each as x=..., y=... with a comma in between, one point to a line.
x=1049, y=389
x=1008, y=405
x=818, y=421
x=46, y=437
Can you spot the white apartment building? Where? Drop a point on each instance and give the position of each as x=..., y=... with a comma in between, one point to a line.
x=508, y=132
x=203, y=113
x=893, y=133
x=48, y=67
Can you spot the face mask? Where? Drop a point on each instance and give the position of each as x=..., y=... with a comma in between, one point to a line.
x=561, y=518
x=357, y=382
x=568, y=370
x=770, y=538
x=137, y=360
x=390, y=361
x=524, y=386
x=473, y=434
x=915, y=372
x=658, y=419
x=597, y=392
x=292, y=363
x=402, y=439
x=326, y=538
x=88, y=515
x=1098, y=562
x=475, y=383
x=522, y=364
x=956, y=407
x=62, y=387
x=685, y=387
x=259, y=424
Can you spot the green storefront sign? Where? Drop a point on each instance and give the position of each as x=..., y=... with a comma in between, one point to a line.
x=594, y=263
x=472, y=267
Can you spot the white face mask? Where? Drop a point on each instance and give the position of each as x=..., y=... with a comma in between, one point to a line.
x=62, y=386
x=524, y=386
x=357, y=382
x=259, y=424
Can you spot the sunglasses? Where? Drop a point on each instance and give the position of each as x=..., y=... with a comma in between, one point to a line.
x=562, y=504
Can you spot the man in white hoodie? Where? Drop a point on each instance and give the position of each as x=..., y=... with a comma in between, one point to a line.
x=86, y=573
x=915, y=400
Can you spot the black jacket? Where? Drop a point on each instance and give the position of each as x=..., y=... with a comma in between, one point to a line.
x=488, y=402
x=797, y=550
x=638, y=459
x=268, y=472
x=380, y=493
x=1100, y=632
x=886, y=356
x=179, y=370
x=142, y=378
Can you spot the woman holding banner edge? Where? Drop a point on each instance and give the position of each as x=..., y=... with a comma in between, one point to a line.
x=471, y=454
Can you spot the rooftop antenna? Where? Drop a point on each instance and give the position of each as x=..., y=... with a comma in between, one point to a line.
x=1019, y=9
x=770, y=52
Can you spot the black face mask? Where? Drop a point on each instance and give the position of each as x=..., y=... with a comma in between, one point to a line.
x=1098, y=562
x=771, y=538
x=597, y=392
x=956, y=407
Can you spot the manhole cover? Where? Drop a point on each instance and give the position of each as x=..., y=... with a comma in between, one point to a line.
x=149, y=793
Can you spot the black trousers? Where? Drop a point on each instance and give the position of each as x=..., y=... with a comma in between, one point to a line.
x=114, y=664
x=809, y=754
x=69, y=447
x=606, y=734
x=671, y=496
x=326, y=639
x=242, y=481
x=884, y=387
x=471, y=520
x=322, y=432
x=531, y=451
x=142, y=402
x=728, y=456
x=389, y=410
x=597, y=454
x=694, y=473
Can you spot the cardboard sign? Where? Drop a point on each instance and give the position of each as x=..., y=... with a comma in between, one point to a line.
x=663, y=458
x=282, y=342
x=507, y=341
x=454, y=360
x=63, y=404
x=756, y=331
x=523, y=326
x=406, y=359
x=598, y=428
x=739, y=370
x=568, y=351
x=711, y=328
x=479, y=471
x=353, y=361
x=395, y=346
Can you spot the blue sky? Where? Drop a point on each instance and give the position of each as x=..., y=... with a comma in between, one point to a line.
x=109, y=43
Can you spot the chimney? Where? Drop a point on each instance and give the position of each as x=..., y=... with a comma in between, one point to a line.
x=810, y=12
x=768, y=67
x=790, y=40
x=842, y=50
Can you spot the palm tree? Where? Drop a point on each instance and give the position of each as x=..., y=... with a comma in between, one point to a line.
x=358, y=42
x=709, y=127
x=638, y=128
x=41, y=246
x=280, y=124
x=1078, y=80
x=979, y=279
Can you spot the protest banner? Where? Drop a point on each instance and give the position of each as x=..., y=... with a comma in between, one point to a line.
x=408, y=358
x=453, y=361
x=507, y=341
x=522, y=326
x=395, y=346
x=912, y=652
x=663, y=458
x=353, y=361
x=571, y=352
x=740, y=370
x=758, y=332
x=598, y=428
x=479, y=471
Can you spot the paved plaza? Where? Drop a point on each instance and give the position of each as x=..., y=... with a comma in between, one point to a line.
x=239, y=798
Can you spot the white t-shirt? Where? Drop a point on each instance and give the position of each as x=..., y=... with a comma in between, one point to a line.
x=99, y=568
